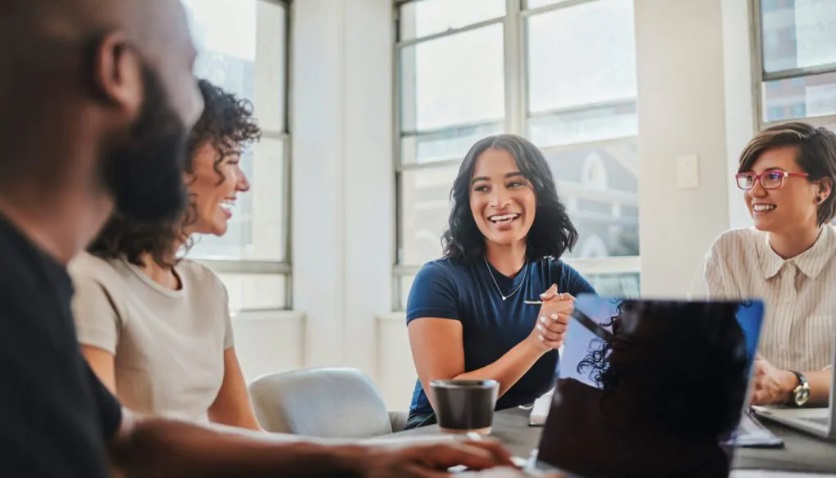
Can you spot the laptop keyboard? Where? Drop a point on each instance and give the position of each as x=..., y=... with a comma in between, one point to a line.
x=825, y=421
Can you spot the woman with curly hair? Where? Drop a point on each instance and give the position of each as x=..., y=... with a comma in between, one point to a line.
x=471, y=315
x=153, y=326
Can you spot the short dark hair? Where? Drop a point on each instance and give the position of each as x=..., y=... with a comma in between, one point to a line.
x=552, y=232
x=816, y=155
x=227, y=124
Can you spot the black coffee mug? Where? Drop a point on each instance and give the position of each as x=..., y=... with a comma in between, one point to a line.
x=463, y=406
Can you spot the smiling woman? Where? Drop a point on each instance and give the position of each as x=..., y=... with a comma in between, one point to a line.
x=215, y=146
x=787, y=173
x=470, y=314
x=154, y=327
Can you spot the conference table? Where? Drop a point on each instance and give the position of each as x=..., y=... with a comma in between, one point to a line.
x=801, y=452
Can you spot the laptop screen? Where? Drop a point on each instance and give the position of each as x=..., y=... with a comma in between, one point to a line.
x=650, y=388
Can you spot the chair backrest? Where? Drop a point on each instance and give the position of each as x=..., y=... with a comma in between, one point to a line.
x=324, y=402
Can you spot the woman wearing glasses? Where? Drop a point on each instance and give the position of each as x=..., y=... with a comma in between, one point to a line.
x=496, y=306
x=787, y=173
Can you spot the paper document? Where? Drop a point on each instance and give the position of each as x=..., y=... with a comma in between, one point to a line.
x=541, y=409
x=750, y=433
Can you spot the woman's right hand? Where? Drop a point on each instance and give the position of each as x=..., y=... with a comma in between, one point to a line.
x=552, y=320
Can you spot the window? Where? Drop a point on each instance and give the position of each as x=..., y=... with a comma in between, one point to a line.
x=796, y=68
x=242, y=47
x=560, y=72
x=581, y=112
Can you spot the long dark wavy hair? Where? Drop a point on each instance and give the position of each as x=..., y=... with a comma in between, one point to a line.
x=552, y=232
x=678, y=358
x=227, y=123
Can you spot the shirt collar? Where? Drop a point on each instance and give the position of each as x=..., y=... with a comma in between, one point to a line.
x=810, y=262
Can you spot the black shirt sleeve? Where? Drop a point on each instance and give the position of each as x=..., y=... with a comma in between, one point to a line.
x=55, y=417
x=110, y=411
x=52, y=421
x=433, y=294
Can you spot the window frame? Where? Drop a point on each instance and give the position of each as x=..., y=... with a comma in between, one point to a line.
x=267, y=267
x=515, y=45
x=760, y=77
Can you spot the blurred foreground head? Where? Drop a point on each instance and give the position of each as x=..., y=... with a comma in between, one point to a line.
x=97, y=98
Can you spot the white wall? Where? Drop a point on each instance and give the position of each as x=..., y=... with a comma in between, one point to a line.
x=342, y=178
x=268, y=341
x=741, y=122
x=681, y=91
x=396, y=371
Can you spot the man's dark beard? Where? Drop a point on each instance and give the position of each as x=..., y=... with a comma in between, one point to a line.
x=145, y=174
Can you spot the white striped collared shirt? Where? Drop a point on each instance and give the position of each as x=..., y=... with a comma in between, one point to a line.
x=800, y=294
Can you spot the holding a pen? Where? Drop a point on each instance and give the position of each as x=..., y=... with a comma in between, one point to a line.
x=553, y=317
x=467, y=313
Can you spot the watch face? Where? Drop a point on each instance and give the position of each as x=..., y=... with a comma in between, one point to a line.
x=802, y=394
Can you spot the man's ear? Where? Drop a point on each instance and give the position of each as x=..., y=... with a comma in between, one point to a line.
x=117, y=74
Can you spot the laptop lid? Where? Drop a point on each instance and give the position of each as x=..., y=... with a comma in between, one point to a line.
x=650, y=388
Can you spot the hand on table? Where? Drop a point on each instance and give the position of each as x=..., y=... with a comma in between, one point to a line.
x=432, y=460
x=771, y=385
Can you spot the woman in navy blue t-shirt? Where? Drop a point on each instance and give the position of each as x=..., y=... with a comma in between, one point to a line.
x=467, y=313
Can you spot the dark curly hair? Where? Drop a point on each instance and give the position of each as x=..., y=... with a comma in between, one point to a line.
x=678, y=357
x=552, y=232
x=227, y=124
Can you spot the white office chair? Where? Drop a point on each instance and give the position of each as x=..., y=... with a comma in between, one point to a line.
x=325, y=402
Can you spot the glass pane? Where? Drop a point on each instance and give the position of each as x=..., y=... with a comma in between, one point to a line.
x=427, y=17
x=241, y=47
x=532, y=4
x=424, y=209
x=798, y=33
x=606, y=122
x=455, y=80
x=618, y=285
x=581, y=55
x=803, y=97
x=270, y=66
x=257, y=228
x=600, y=189
x=255, y=291
x=444, y=145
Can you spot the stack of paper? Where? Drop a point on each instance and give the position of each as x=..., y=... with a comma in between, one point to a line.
x=750, y=433
x=541, y=409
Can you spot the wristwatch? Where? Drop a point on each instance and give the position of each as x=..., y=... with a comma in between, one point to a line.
x=801, y=393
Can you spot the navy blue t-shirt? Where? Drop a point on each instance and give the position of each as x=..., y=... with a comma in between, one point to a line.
x=464, y=291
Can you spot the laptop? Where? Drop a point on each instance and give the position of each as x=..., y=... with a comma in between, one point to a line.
x=649, y=388
x=819, y=421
